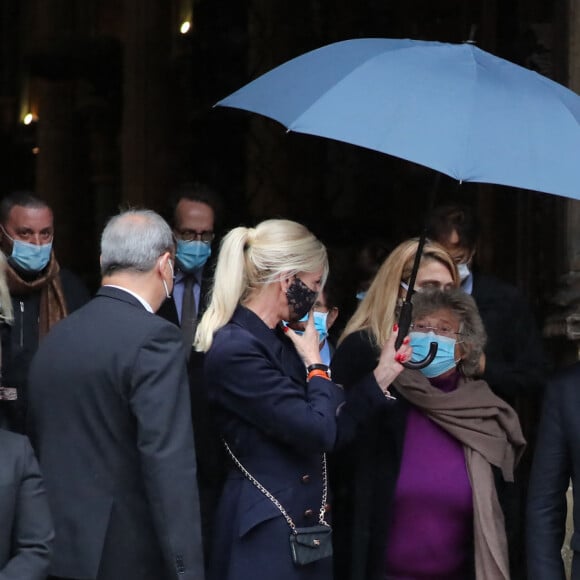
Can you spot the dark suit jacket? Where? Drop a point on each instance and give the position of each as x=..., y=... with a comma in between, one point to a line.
x=515, y=359
x=211, y=461
x=168, y=309
x=109, y=401
x=26, y=531
x=279, y=426
x=364, y=474
x=557, y=459
x=515, y=370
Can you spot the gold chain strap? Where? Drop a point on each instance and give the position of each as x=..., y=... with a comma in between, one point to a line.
x=287, y=517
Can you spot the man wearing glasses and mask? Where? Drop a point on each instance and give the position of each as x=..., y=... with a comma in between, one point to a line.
x=195, y=209
x=42, y=293
x=195, y=213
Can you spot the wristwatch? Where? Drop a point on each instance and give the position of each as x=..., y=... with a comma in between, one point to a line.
x=318, y=367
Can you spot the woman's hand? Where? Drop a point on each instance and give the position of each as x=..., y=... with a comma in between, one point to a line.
x=307, y=344
x=390, y=362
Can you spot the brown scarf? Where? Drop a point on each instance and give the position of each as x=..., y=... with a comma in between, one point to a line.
x=52, y=301
x=491, y=435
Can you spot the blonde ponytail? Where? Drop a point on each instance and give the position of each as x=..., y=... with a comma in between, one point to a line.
x=251, y=258
x=230, y=282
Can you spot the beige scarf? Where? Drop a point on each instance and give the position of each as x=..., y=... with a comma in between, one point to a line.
x=491, y=435
x=52, y=301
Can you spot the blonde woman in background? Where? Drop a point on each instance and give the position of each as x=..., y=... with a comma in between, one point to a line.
x=378, y=311
x=370, y=327
x=274, y=402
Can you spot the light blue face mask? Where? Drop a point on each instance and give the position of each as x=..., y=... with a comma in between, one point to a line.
x=463, y=271
x=444, y=359
x=192, y=255
x=361, y=295
x=319, y=324
x=30, y=257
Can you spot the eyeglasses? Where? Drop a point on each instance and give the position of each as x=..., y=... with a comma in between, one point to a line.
x=442, y=331
x=206, y=236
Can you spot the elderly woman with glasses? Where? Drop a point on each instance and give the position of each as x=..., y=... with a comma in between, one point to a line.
x=377, y=312
x=419, y=494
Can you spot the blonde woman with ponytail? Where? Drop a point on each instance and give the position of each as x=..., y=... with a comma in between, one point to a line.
x=273, y=401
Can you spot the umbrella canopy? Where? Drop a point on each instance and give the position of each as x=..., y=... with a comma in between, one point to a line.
x=451, y=107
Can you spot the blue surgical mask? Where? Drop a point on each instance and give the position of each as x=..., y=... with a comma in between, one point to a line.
x=319, y=324
x=444, y=359
x=463, y=271
x=30, y=257
x=192, y=255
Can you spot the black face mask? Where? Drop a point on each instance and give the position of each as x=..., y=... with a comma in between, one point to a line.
x=300, y=299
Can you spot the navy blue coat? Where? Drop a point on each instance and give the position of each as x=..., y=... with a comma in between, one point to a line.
x=279, y=426
x=556, y=461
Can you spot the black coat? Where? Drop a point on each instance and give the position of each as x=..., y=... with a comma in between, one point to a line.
x=211, y=460
x=20, y=341
x=109, y=401
x=556, y=461
x=26, y=531
x=515, y=370
x=364, y=475
x=515, y=361
x=168, y=309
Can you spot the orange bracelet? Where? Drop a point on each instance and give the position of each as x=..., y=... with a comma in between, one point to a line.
x=317, y=373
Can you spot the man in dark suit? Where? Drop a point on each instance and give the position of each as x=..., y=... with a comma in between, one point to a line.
x=109, y=401
x=196, y=211
x=556, y=460
x=26, y=531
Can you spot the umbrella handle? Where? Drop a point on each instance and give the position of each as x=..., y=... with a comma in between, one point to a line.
x=404, y=324
x=421, y=364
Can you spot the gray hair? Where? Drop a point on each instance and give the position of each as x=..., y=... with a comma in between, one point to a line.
x=134, y=240
x=473, y=336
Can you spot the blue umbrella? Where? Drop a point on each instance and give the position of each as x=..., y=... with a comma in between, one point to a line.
x=451, y=107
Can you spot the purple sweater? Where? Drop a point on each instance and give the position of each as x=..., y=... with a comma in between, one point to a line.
x=432, y=528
